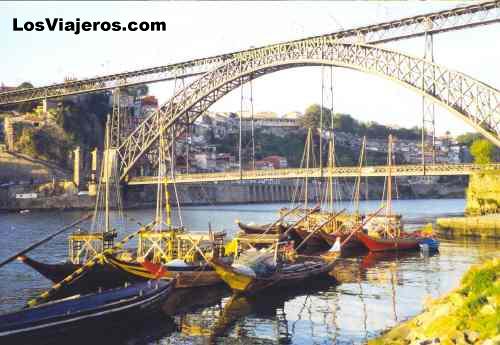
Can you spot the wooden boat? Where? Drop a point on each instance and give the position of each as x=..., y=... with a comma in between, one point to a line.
x=375, y=244
x=103, y=275
x=249, y=282
x=120, y=304
x=429, y=244
x=187, y=276
x=315, y=240
x=261, y=228
x=330, y=239
x=385, y=233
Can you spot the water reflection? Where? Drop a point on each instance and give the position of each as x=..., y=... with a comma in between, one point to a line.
x=308, y=313
x=373, y=292
x=255, y=320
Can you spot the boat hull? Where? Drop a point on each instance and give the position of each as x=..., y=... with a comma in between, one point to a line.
x=186, y=277
x=76, y=314
x=245, y=284
x=379, y=245
x=101, y=275
x=260, y=229
x=313, y=241
x=353, y=242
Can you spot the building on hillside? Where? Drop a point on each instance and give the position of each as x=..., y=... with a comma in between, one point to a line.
x=4, y=88
x=224, y=161
x=278, y=162
x=263, y=165
x=270, y=119
x=206, y=160
x=148, y=104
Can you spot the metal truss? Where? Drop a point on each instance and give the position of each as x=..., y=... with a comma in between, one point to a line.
x=474, y=102
x=428, y=112
x=432, y=23
x=340, y=172
x=117, y=118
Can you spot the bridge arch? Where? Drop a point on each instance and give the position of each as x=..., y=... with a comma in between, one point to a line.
x=471, y=100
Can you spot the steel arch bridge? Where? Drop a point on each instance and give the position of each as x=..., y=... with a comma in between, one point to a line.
x=471, y=100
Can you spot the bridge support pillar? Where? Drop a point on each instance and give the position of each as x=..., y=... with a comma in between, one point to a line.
x=93, y=173
x=44, y=105
x=77, y=166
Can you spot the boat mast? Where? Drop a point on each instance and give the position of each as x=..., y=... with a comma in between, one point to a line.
x=389, y=184
x=107, y=177
x=308, y=144
x=331, y=166
x=358, y=179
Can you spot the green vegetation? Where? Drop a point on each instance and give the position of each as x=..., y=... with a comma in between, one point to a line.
x=48, y=142
x=54, y=134
x=315, y=116
x=468, y=315
x=483, y=151
x=85, y=122
x=468, y=138
x=347, y=124
x=21, y=107
x=290, y=144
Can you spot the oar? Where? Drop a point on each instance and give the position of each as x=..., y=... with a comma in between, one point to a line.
x=319, y=227
x=290, y=228
x=360, y=226
x=46, y=239
x=35, y=301
x=274, y=224
x=280, y=219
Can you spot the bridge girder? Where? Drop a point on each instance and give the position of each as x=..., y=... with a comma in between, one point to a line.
x=337, y=172
x=478, y=14
x=474, y=102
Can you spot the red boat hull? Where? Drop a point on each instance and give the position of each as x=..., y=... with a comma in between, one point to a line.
x=381, y=244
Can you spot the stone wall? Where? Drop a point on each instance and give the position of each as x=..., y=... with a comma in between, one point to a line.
x=483, y=193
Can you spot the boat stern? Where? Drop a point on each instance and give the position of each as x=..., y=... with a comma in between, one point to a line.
x=237, y=281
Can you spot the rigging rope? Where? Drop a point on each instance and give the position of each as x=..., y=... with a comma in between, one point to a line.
x=253, y=126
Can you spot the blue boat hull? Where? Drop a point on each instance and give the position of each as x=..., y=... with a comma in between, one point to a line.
x=46, y=321
x=429, y=244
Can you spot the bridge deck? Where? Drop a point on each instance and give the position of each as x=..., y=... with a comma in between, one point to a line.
x=381, y=170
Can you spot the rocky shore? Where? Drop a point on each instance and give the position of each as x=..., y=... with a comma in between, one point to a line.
x=470, y=314
x=487, y=226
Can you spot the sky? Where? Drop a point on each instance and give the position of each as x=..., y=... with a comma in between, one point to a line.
x=199, y=29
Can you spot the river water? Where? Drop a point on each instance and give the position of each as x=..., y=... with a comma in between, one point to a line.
x=372, y=292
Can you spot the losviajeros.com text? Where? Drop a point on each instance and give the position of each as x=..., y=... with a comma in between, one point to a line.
x=77, y=26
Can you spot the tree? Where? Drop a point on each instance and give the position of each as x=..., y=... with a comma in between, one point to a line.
x=468, y=138
x=345, y=123
x=312, y=117
x=26, y=107
x=483, y=151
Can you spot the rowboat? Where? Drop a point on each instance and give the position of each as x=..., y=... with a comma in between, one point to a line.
x=187, y=275
x=243, y=279
x=122, y=304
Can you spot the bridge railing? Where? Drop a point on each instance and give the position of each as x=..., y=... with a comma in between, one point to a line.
x=379, y=170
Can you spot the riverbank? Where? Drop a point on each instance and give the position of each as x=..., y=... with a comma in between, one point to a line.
x=475, y=226
x=37, y=198
x=469, y=314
